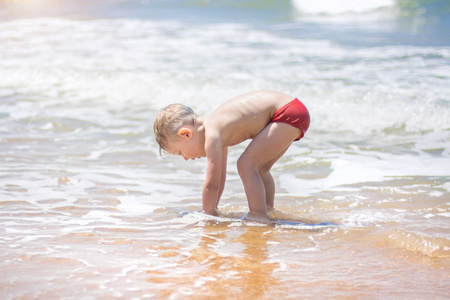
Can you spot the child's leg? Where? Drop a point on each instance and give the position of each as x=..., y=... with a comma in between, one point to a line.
x=267, y=179
x=266, y=148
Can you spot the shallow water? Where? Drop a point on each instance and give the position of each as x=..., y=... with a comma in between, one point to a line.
x=88, y=208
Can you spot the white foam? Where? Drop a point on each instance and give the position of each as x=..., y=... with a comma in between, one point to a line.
x=356, y=82
x=362, y=219
x=446, y=186
x=199, y=219
x=365, y=166
x=339, y=7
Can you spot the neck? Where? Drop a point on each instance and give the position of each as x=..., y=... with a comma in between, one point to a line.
x=198, y=124
x=200, y=128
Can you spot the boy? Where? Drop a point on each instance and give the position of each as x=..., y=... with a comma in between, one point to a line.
x=272, y=120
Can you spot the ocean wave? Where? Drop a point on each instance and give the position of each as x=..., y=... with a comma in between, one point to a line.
x=404, y=8
x=329, y=7
x=430, y=246
x=392, y=91
x=430, y=16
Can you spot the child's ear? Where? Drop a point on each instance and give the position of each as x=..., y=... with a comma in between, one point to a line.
x=185, y=132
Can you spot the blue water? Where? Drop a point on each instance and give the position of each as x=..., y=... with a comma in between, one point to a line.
x=420, y=23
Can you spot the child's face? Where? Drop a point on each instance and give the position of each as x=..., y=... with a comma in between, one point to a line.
x=189, y=147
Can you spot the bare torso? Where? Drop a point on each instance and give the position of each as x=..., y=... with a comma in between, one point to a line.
x=243, y=117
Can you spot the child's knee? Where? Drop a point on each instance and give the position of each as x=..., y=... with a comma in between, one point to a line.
x=244, y=166
x=264, y=170
x=241, y=166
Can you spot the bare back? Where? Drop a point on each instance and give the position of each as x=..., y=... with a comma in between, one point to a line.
x=244, y=116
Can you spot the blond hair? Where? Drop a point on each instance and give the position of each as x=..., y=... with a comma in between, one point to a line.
x=169, y=120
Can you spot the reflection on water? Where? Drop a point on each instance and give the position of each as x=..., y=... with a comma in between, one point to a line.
x=242, y=268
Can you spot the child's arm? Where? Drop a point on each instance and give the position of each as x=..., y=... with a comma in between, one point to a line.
x=213, y=185
x=223, y=175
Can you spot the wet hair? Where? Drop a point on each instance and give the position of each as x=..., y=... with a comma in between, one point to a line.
x=169, y=120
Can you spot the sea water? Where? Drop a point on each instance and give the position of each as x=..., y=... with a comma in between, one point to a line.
x=89, y=209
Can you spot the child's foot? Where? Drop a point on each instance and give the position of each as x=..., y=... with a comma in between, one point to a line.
x=258, y=218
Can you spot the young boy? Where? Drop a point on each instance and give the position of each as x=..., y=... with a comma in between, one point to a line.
x=272, y=120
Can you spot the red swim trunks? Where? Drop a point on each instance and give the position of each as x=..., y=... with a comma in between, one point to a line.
x=295, y=114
